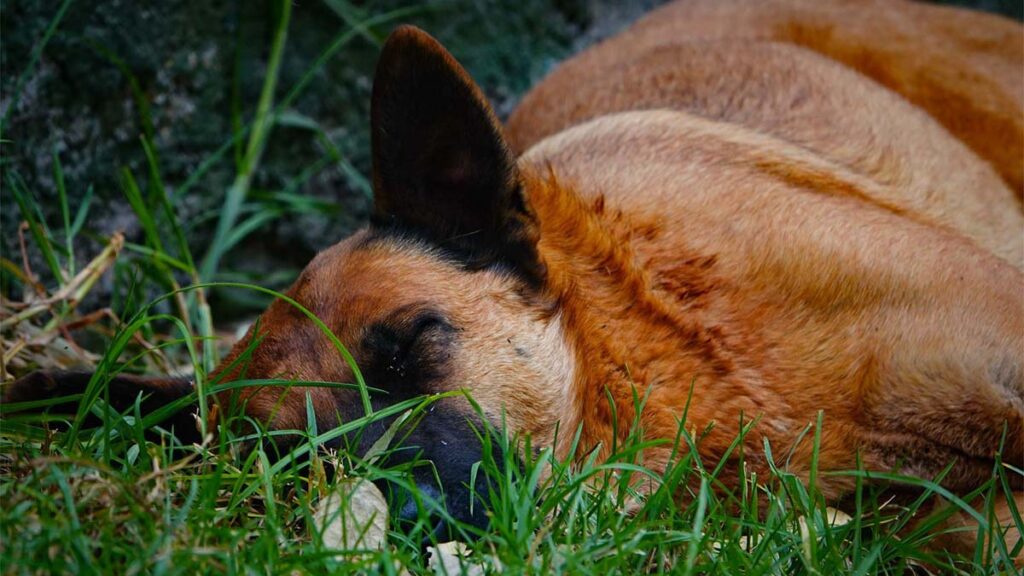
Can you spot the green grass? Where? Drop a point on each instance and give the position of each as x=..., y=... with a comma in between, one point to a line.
x=124, y=497
x=106, y=500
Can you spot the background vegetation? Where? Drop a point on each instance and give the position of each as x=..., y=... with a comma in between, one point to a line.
x=187, y=77
x=149, y=148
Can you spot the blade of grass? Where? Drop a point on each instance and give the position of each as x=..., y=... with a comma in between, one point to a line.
x=262, y=125
x=39, y=232
x=152, y=233
x=83, y=212
x=203, y=316
x=160, y=192
x=65, y=212
x=696, y=543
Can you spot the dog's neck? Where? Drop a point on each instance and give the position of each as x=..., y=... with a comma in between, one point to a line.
x=616, y=322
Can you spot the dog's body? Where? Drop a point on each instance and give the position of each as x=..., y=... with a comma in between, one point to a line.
x=790, y=235
x=768, y=210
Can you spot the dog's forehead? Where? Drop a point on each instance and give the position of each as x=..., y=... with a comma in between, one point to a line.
x=364, y=278
x=363, y=262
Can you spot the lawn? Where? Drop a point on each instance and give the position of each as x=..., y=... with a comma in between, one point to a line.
x=93, y=490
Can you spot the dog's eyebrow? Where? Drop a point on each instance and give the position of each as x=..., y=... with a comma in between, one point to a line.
x=412, y=309
x=405, y=321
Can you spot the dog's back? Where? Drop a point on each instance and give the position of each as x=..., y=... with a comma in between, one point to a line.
x=921, y=104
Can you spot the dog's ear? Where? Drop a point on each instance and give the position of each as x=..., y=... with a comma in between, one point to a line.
x=441, y=167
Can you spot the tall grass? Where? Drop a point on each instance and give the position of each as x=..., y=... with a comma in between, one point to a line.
x=126, y=497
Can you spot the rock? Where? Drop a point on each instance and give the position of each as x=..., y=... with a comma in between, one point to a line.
x=352, y=516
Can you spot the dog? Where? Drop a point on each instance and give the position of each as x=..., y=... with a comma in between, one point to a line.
x=755, y=212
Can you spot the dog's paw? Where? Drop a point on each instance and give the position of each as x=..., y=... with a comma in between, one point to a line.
x=43, y=385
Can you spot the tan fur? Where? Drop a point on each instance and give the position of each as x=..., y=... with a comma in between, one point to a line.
x=793, y=68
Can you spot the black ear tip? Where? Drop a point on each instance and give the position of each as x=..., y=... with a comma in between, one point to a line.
x=411, y=58
x=407, y=39
x=407, y=33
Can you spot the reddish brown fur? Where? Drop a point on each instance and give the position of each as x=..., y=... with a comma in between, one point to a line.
x=795, y=237
x=758, y=337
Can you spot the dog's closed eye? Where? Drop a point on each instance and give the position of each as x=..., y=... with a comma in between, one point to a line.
x=407, y=351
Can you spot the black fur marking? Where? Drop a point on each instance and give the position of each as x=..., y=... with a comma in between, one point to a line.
x=403, y=356
x=451, y=251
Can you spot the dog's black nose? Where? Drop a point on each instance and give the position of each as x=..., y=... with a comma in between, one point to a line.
x=425, y=508
x=411, y=509
x=441, y=498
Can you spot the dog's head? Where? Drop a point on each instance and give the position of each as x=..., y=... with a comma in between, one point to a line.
x=444, y=291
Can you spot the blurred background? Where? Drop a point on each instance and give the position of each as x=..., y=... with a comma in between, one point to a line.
x=117, y=99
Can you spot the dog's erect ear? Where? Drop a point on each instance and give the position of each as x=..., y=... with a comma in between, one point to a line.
x=441, y=167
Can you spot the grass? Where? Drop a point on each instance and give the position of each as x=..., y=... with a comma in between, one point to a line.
x=107, y=500
x=125, y=497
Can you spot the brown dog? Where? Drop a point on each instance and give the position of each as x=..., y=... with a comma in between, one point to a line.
x=770, y=208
